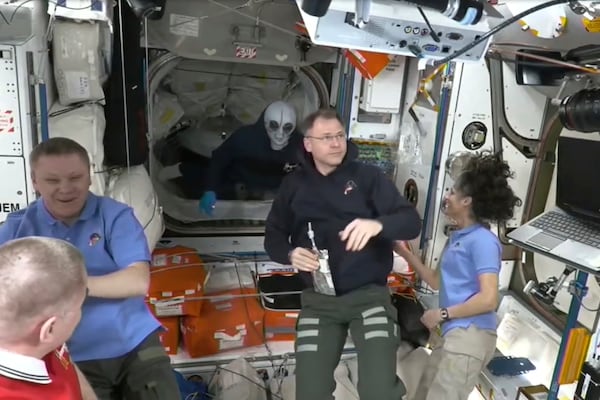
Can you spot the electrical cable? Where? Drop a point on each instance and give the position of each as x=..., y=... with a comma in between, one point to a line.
x=432, y=32
x=520, y=44
x=8, y=21
x=580, y=300
x=244, y=296
x=498, y=56
x=546, y=59
x=219, y=368
x=437, y=155
x=149, y=100
x=497, y=29
x=266, y=78
x=263, y=22
x=124, y=89
x=278, y=376
x=250, y=322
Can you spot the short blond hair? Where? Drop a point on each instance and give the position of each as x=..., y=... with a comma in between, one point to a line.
x=39, y=277
x=58, y=146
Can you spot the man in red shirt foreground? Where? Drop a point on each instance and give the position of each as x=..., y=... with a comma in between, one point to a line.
x=42, y=287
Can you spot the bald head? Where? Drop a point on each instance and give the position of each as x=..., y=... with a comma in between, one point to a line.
x=39, y=277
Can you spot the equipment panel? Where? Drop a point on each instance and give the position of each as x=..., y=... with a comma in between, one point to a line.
x=406, y=36
x=10, y=124
x=14, y=185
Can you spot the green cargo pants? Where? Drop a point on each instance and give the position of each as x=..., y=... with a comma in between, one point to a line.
x=143, y=374
x=322, y=329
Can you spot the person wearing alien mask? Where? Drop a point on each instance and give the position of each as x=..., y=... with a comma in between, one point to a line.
x=254, y=159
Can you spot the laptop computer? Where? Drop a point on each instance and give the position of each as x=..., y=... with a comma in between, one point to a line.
x=570, y=232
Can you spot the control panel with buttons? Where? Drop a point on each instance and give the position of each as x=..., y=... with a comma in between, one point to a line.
x=409, y=36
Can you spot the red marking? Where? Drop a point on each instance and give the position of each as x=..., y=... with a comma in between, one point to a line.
x=245, y=52
x=7, y=121
x=300, y=27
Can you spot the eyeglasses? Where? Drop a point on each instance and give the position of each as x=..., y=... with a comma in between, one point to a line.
x=329, y=138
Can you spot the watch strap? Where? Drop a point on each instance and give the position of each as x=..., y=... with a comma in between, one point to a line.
x=444, y=314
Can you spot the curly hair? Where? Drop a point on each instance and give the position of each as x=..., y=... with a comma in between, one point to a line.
x=485, y=179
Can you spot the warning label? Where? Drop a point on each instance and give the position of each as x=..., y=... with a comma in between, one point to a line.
x=592, y=26
x=7, y=121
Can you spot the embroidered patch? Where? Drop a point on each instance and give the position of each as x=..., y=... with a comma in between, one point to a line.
x=63, y=356
x=94, y=238
x=350, y=186
x=289, y=167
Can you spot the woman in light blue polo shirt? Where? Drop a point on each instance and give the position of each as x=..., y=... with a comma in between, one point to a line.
x=467, y=279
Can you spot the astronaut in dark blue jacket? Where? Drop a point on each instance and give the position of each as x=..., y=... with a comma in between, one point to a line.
x=334, y=202
x=256, y=156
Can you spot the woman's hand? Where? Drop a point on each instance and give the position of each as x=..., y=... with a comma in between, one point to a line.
x=431, y=318
x=402, y=250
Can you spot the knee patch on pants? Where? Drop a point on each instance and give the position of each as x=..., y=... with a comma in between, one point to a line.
x=377, y=323
x=307, y=334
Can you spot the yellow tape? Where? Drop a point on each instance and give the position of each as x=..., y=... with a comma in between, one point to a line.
x=592, y=26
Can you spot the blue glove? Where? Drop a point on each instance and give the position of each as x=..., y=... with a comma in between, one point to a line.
x=207, y=202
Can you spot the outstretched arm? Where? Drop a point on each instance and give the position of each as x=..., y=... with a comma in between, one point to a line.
x=397, y=218
x=429, y=275
x=127, y=244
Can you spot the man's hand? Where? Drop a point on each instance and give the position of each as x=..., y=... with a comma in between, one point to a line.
x=358, y=233
x=304, y=259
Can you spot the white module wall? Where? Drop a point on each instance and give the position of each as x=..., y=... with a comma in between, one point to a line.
x=23, y=63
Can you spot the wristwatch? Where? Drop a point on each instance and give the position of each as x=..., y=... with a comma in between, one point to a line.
x=444, y=314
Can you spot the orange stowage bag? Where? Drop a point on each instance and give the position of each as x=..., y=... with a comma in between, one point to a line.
x=368, y=63
x=280, y=325
x=227, y=321
x=170, y=336
x=177, y=278
x=402, y=282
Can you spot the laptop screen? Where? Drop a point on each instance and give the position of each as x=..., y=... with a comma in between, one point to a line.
x=578, y=177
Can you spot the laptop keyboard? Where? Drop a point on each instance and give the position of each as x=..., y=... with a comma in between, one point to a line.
x=567, y=227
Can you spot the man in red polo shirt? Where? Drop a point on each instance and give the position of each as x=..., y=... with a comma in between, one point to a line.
x=42, y=287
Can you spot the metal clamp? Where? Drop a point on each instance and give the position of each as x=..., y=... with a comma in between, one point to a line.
x=578, y=290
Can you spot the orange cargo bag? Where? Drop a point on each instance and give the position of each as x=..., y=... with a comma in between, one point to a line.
x=402, y=279
x=169, y=337
x=368, y=63
x=229, y=320
x=177, y=277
